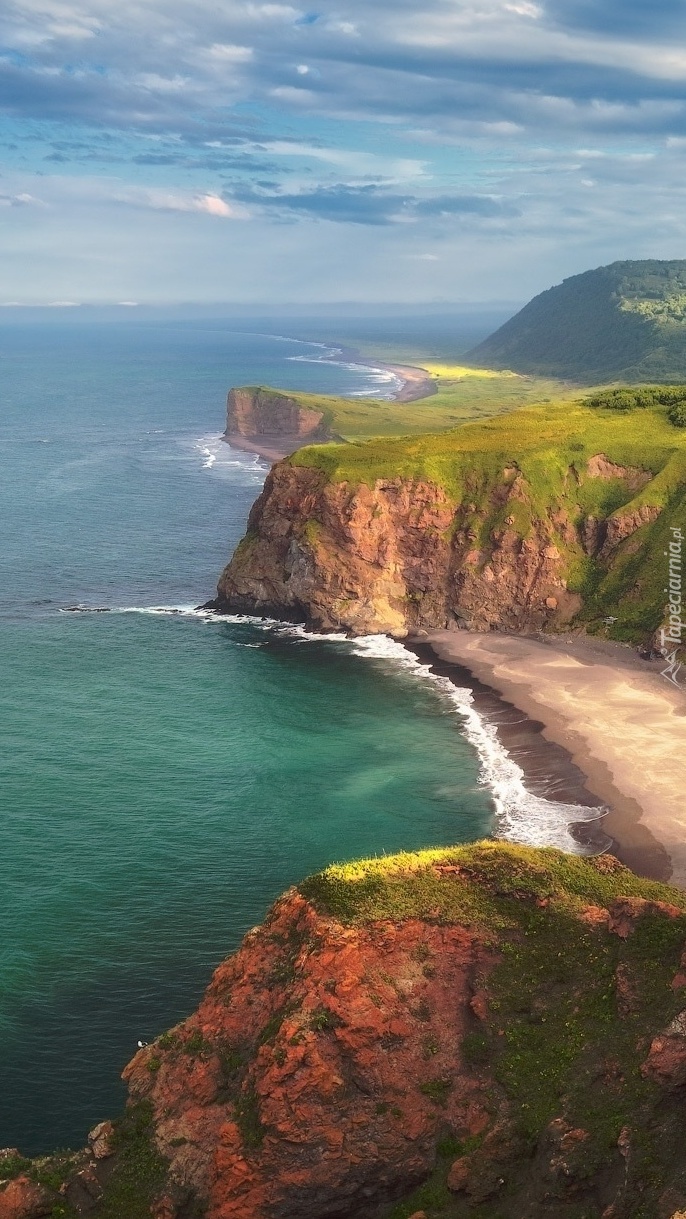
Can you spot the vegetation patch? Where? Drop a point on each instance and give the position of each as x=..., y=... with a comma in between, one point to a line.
x=247, y=1110
x=139, y=1170
x=624, y=321
x=485, y=892
x=12, y=1166
x=630, y=398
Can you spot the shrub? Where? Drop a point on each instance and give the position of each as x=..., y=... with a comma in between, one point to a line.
x=677, y=414
x=437, y=1090
x=627, y=399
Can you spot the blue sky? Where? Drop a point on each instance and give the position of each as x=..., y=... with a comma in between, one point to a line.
x=367, y=150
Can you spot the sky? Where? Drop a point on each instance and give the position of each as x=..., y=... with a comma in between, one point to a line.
x=363, y=150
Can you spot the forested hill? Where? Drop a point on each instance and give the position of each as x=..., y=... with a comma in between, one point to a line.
x=626, y=321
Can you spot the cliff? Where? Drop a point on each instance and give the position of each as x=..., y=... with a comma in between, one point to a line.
x=547, y=516
x=466, y=1033
x=272, y=423
x=626, y=321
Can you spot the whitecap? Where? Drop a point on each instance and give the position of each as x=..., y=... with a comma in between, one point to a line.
x=377, y=376
x=219, y=456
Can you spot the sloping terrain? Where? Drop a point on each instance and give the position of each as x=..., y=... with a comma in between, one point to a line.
x=481, y=1032
x=626, y=321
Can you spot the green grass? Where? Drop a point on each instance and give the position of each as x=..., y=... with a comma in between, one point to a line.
x=139, y=1170
x=493, y=876
x=461, y=396
x=544, y=440
x=548, y=446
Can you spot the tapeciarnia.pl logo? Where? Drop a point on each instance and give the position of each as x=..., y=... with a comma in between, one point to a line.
x=672, y=631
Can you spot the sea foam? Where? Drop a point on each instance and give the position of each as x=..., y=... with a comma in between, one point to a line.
x=520, y=815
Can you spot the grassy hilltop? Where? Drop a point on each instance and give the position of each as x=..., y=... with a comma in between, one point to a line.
x=545, y=457
x=626, y=321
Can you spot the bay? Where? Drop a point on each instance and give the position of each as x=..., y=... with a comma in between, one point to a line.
x=165, y=777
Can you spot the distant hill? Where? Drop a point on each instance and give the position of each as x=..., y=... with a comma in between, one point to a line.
x=626, y=321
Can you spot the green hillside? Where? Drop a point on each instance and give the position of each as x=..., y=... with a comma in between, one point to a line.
x=626, y=322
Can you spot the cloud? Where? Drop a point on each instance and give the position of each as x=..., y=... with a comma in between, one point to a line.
x=23, y=199
x=176, y=64
x=405, y=123
x=157, y=199
x=371, y=205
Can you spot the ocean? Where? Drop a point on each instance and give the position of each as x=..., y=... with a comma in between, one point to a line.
x=165, y=774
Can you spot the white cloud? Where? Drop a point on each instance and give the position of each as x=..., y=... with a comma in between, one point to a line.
x=225, y=52
x=525, y=9
x=352, y=161
x=177, y=201
x=21, y=199
x=162, y=84
x=214, y=206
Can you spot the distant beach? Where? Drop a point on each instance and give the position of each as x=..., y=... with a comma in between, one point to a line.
x=416, y=382
x=621, y=722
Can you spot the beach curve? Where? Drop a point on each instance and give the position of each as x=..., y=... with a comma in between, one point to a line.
x=622, y=723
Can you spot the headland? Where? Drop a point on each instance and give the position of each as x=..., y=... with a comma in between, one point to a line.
x=273, y=424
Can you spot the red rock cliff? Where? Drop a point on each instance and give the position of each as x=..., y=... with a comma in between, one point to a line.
x=262, y=418
x=394, y=557
x=302, y=1086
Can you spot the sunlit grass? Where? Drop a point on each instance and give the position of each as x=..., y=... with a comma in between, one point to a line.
x=456, y=372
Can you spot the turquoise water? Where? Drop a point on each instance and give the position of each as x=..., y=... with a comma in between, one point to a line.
x=164, y=777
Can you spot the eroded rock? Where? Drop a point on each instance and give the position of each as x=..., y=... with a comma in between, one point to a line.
x=26, y=1199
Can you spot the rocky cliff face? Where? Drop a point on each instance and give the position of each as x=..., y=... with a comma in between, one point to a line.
x=403, y=554
x=487, y=1030
x=265, y=418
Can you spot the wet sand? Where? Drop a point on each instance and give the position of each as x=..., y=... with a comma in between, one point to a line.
x=620, y=725
x=270, y=448
x=416, y=382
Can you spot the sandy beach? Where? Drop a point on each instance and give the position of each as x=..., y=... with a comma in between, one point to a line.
x=416, y=382
x=622, y=723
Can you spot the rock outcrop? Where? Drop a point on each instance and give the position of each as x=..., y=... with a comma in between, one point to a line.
x=488, y=1026
x=273, y=423
x=304, y=1085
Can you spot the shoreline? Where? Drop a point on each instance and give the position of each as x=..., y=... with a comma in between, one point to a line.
x=620, y=725
x=416, y=383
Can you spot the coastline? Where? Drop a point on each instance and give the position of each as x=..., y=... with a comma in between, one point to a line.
x=620, y=723
x=415, y=382
x=270, y=448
